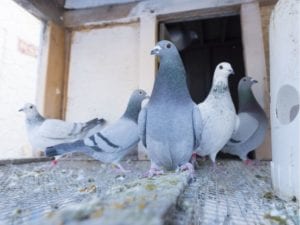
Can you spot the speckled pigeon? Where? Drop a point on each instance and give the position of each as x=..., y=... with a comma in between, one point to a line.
x=251, y=125
x=44, y=132
x=218, y=114
x=170, y=124
x=113, y=142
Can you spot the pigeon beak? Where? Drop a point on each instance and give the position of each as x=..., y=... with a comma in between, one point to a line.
x=155, y=50
x=231, y=71
x=21, y=110
x=147, y=97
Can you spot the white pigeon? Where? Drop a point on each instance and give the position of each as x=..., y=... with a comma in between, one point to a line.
x=218, y=114
x=44, y=132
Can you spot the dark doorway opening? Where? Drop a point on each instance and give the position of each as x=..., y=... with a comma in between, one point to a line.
x=203, y=44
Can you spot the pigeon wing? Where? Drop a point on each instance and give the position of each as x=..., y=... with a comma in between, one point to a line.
x=142, y=125
x=117, y=137
x=197, y=125
x=58, y=129
x=247, y=125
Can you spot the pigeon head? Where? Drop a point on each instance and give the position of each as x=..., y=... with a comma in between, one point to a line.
x=193, y=35
x=223, y=70
x=29, y=109
x=135, y=104
x=163, y=48
x=138, y=96
x=246, y=82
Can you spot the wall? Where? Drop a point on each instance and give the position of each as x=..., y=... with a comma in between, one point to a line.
x=103, y=71
x=285, y=83
x=19, y=41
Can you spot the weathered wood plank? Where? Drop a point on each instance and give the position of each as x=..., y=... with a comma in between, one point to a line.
x=25, y=160
x=75, y=18
x=55, y=73
x=189, y=10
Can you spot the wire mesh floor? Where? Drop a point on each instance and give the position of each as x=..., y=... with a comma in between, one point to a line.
x=231, y=194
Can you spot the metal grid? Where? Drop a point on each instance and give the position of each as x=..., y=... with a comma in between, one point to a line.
x=30, y=191
x=232, y=194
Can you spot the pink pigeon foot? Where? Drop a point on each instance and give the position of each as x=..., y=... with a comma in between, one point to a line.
x=188, y=167
x=194, y=160
x=54, y=163
x=154, y=171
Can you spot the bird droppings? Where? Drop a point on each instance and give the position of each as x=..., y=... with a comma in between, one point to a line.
x=36, y=194
x=89, y=189
x=269, y=195
x=278, y=219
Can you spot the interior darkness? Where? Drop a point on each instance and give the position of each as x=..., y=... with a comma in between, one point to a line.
x=218, y=39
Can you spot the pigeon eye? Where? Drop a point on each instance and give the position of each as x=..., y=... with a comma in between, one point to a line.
x=141, y=92
x=168, y=45
x=220, y=67
x=244, y=79
x=31, y=107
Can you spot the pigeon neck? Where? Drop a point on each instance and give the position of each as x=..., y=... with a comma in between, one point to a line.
x=132, y=111
x=35, y=118
x=220, y=85
x=246, y=99
x=171, y=79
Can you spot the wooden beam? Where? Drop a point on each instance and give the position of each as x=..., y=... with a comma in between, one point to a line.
x=255, y=64
x=43, y=10
x=24, y=160
x=55, y=72
x=185, y=10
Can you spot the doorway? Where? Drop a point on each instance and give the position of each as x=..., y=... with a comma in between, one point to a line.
x=203, y=44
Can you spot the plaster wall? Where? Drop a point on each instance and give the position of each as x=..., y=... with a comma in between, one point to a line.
x=103, y=71
x=20, y=34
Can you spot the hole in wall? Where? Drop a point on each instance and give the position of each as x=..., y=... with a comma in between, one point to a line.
x=287, y=106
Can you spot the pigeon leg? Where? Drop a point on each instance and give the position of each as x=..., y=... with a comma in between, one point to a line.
x=189, y=167
x=250, y=162
x=54, y=162
x=194, y=160
x=121, y=168
x=155, y=170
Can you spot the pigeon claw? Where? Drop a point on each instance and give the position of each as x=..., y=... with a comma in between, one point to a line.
x=154, y=171
x=187, y=167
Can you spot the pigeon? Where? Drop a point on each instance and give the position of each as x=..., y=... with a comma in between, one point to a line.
x=113, y=142
x=182, y=38
x=45, y=132
x=170, y=124
x=251, y=123
x=218, y=114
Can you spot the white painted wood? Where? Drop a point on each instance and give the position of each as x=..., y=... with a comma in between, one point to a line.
x=147, y=62
x=254, y=56
x=285, y=86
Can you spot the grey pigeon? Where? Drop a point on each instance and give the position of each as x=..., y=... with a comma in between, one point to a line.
x=170, y=124
x=182, y=38
x=112, y=143
x=218, y=114
x=44, y=132
x=251, y=123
